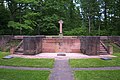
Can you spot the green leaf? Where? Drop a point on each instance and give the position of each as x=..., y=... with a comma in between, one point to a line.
x=17, y=25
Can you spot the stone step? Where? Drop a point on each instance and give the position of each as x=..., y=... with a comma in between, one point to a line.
x=103, y=51
x=20, y=49
x=102, y=47
x=19, y=53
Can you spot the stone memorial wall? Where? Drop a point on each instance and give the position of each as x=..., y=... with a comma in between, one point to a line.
x=68, y=45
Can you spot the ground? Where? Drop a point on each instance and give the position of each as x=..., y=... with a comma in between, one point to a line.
x=94, y=62
x=97, y=75
x=25, y=62
x=10, y=74
x=79, y=69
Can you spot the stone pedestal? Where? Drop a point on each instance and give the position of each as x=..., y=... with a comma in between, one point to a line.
x=12, y=50
x=110, y=49
x=61, y=54
x=60, y=35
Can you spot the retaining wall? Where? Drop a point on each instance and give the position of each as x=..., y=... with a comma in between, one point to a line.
x=54, y=45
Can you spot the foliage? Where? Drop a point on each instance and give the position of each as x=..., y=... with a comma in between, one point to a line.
x=77, y=31
x=99, y=17
x=4, y=18
x=17, y=25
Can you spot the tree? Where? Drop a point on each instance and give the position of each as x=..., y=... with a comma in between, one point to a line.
x=4, y=18
x=98, y=17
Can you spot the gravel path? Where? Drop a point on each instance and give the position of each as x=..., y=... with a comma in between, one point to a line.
x=54, y=55
x=61, y=70
x=24, y=68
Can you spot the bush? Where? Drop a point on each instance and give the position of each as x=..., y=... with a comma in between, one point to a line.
x=81, y=31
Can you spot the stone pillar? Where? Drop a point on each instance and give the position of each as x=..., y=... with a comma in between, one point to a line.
x=61, y=33
x=110, y=49
x=12, y=49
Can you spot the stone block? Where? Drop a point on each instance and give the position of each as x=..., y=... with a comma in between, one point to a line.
x=61, y=54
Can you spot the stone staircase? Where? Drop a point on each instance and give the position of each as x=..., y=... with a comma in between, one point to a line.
x=19, y=51
x=103, y=49
x=19, y=48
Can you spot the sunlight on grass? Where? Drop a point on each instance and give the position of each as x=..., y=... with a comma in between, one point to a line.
x=42, y=63
x=9, y=74
x=77, y=63
x=97, y=75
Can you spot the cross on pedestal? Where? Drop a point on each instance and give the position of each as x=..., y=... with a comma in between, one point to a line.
x=61, y=22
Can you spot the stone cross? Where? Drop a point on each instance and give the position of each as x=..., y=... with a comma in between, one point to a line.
x=60, y=22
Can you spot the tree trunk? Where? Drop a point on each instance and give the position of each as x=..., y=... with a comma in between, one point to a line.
x=89, y=25
x=105, y=14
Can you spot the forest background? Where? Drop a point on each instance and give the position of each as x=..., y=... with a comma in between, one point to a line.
x=40, y=17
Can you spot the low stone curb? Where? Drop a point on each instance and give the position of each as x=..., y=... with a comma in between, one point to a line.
x=50, y=69
x=24, y=68
x=100, y=68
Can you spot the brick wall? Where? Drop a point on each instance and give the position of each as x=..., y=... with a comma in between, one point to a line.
x=87, y=45
x=68, y=45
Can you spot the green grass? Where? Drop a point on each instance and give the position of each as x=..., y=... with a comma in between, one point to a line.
x=10, y=74
x=97, y=75
x=85, y=63
x=41, y=63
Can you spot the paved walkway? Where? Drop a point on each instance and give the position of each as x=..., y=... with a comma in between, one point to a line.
x=61, y=70
x=54, y=55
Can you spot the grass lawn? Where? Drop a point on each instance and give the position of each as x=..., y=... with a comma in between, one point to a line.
x=97, y=75
x=9, y=74
x=85, y=63
x=41, y=63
